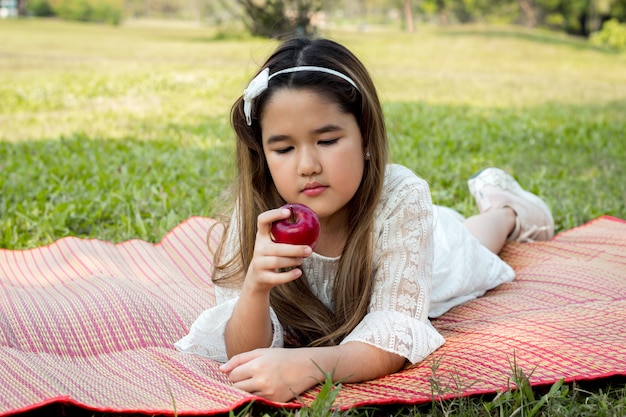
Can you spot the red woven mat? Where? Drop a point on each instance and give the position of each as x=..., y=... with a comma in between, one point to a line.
x=89, y=323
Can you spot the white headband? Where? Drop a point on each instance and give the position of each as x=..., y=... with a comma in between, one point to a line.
x=261, y=81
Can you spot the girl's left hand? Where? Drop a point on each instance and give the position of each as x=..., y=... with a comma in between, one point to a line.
x=274, y=373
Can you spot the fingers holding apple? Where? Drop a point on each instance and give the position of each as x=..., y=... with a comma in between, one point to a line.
x=276, y=262
x=302, y=227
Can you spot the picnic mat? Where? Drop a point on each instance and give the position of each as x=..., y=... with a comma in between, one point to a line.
x=91, y=324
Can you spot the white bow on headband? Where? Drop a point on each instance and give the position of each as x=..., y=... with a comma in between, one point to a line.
x=261, y=82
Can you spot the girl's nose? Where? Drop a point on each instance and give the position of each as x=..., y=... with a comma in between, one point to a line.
x=309, y=163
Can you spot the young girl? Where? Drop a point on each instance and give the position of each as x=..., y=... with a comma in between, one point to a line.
x=310, y=130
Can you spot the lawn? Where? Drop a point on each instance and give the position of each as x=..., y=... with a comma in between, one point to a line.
x=123, y=132
x=119, y=133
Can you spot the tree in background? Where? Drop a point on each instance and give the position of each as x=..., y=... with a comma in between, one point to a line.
x=408, y=16
x=102, y=11
x=276, y=18
x=281, y=18
x=527, y=8
x=580, y=17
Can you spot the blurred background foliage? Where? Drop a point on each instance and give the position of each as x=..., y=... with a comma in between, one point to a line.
x=282, y=18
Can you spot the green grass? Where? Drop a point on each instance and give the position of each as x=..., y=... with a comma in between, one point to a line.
x=118, y=133
x=121, y=133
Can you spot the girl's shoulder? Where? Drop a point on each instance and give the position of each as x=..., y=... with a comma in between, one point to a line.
x=402, y=187
x=405, y=204
x=400, y=179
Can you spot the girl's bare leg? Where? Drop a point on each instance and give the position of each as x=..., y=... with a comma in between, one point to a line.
x=492, y=227
x=526, y=217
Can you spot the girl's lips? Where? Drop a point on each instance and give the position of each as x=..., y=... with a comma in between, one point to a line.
x=313, y=191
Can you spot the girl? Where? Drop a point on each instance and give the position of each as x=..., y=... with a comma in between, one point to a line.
x=310, y=130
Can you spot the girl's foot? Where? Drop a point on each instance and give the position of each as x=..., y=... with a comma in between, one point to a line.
x=493, y=189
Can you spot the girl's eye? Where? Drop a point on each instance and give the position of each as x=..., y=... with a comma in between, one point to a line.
x=285, y=150
x=328, y=142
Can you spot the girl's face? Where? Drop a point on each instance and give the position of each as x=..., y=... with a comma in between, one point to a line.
x=314, y=152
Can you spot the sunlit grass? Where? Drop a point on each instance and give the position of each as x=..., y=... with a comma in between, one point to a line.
x=118, y=133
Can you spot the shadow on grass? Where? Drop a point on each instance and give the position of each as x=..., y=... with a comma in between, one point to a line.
x=572, y=156
x=545, y=37
x=108, y=189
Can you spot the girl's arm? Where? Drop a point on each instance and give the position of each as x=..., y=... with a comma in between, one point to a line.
x=282, y=374
x=250, y=326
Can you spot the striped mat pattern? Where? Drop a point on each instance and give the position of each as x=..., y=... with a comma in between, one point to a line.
x=90, y=323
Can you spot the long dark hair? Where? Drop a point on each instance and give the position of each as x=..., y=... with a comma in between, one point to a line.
x=303, y=316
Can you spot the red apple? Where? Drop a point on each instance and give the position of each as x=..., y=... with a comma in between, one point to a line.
x=301, y=228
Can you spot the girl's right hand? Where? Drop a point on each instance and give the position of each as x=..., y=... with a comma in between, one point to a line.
x=273, y=263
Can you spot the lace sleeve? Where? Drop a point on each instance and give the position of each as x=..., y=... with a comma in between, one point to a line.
x=397, y=320
x=206, y=335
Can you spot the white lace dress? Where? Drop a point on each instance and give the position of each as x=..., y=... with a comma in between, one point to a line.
x=426, y=262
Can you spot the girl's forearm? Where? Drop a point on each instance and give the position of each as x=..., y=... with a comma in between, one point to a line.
x=280, y=374
x=356, y=361
x=250, y=326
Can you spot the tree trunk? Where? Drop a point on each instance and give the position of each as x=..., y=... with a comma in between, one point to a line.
x=21, y=7
x=408, y=16
x=529, y=12
x=442, y=10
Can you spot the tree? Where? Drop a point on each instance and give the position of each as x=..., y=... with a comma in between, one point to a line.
x=21, y=7
x=528, y=9
x=276, y=18
x=408, y=16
